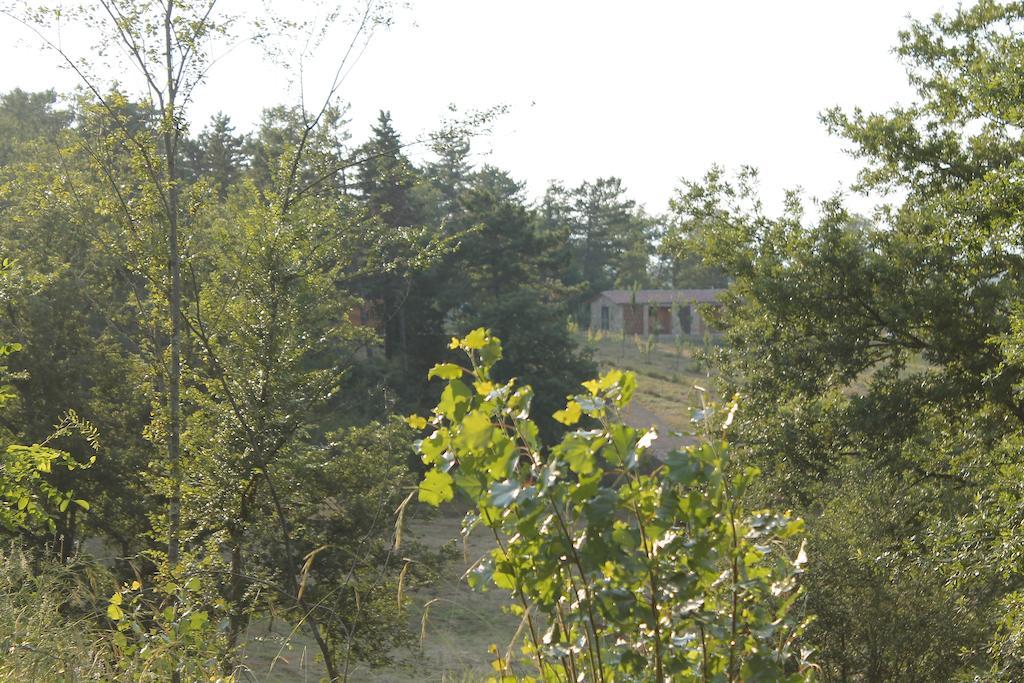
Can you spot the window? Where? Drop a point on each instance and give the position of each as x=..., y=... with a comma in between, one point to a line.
x=605, y=318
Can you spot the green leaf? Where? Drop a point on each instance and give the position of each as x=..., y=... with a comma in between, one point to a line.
x=454, y=400
x=504, y=580
x=469, y=484
x=491, y=352
x=505, y=450
x=114, y=612
x=434, y=446
x=579, y=454
x=436, y=488
x=600, y=509
x=476, y=339
x=571, y=414
x=476, y=430
x=682, y=468
x=446, y=371
x=509, y=491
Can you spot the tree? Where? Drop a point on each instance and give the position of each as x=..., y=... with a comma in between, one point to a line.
x=66, y=308
x=217, y=154
x=609, y=240
x=877, y=359
x=449, y=174
x=678, y=267
x=167, y=43
x=386, y=180
x=157, y=217
x=26, y=117
x=505, y=275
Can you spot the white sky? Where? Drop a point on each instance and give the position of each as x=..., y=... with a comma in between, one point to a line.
x=647, y=90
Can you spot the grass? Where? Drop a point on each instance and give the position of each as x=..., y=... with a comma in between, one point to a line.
x=455, y=625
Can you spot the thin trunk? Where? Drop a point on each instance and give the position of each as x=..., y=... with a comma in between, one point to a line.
x=170, y=134
x=238, y=619
x=402, y=338
x=286, y=536
x=174, y=302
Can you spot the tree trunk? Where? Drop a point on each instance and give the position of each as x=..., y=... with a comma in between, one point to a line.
x=286, y=536
x=171, y=136
x=238, y=616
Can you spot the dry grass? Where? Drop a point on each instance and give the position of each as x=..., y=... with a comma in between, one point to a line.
x=456, y=624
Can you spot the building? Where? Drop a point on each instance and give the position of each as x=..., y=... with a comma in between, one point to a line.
x=655, y=312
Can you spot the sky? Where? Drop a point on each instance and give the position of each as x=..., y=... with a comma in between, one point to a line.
x=650, y=91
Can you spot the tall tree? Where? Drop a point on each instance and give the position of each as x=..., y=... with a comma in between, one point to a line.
x=67, y=307
x=386, y=181
x=166, y=42
x=609, y=240
x=505, y=276
x=217, y=154
x=879, y=361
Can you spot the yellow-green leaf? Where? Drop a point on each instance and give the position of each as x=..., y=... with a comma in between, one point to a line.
x=571, y=414
x=476, y=339
x=436, y=488
x=445, y=371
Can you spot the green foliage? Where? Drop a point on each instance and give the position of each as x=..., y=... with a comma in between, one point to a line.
x=65, y=305
x=607, y=239
x=341, y=499
x=29, y=499
x=61, y=622
x=48, y=620
x=878, y=359
x=163, y=628
x=505, y=276
x=623, y=569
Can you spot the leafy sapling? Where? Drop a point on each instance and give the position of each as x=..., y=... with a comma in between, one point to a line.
x=624, y=567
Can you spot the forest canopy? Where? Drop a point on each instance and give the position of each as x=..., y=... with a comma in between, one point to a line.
x=242, y=367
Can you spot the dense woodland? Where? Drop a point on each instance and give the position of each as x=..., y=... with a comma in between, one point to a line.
x=235, y=362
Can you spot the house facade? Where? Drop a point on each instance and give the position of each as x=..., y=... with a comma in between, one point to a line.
x=653, y=312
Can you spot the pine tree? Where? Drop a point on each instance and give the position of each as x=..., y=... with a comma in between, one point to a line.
x=220, y=153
